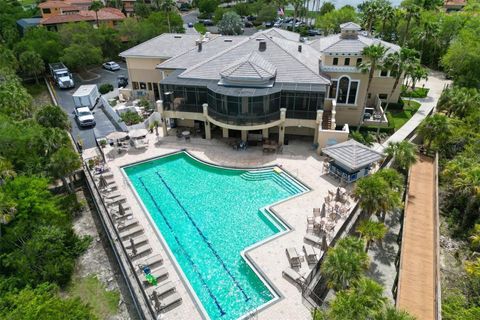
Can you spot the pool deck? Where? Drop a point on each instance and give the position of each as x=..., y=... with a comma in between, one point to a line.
x=298, y=159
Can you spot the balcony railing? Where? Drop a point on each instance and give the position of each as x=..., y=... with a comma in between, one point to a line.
x=183, y=107
x=244, y=119
x=298, y=114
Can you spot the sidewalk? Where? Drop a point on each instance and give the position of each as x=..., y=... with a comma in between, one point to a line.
x=436, y=82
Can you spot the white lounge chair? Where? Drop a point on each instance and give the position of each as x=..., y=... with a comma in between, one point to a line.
x=140, y=143
x=115, y=201
x=310, y=237
x=140, y=251
x=125, y=224
x=157, y=273
x=293, y=257
x=170, y=301
x=163, y=289
x=151, y=262
x=128, y=233
x=137, y=241
x=294, y=275
x=310, y=254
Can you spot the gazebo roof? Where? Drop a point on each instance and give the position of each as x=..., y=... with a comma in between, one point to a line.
x=352, y=154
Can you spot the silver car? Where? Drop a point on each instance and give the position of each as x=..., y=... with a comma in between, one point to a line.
x=111, y=65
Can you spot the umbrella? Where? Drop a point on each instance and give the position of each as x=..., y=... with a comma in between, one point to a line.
x=156, y=300
x=102, y=183
x=137, y=133
x=322, y=213
x=121, y=209
x=324, y=243
x=117, y=135
x=338, y=196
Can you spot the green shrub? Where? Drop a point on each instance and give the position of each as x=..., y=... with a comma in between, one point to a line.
x=105, y=88
x=200, y=28
x=131, y=118
x=416, y=93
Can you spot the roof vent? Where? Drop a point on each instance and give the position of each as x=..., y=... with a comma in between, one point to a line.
x=227, y=40
x=200, y=46
x=300, y=48
x=262, y=46
x=177, y=37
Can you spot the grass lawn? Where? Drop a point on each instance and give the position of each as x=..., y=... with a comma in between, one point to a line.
x=90, y=290
x=399, y=117
x=200, y=27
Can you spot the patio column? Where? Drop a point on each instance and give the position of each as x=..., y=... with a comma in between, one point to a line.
x=281, y=127
x=163, y=121
x=265, y=133
x=225, y=132
x=208, y=133
x=244, y=135
x=318, y=126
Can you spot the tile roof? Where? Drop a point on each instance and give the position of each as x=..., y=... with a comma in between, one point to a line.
x=104, y=14
x=54, y=4
x=251, y=66
x=210, y=48
x=279, y=33
x=164, y=46
x=352, y=154
x=350, y=26
x=290, y=69
x=336, y=44
x=65, y=18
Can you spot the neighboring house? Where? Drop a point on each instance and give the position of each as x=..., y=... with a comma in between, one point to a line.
x=55, y=13
x=269, y=83
x=24, y=24
x=129, y=7
x=454, y=5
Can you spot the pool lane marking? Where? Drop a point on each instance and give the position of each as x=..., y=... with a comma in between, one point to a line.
x=195, y=267
x=205, y=239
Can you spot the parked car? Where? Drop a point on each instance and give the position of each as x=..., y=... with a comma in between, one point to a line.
x=207, y=23
x=269, y=24
x=251, y=18
x=190, y=25
x=122, y=81
x=314, y=32
x=84, y=117
x=111, y=65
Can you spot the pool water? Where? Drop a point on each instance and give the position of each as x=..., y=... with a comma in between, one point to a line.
x=208, y=215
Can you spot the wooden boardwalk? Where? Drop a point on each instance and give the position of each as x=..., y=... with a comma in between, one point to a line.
x=417, y=284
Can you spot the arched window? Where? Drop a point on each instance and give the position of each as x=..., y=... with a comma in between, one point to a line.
x=343, y=85
x=344, y=90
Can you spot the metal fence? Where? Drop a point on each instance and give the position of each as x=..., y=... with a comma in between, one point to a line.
x=244, y=120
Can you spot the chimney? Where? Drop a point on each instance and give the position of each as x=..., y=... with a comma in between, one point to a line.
x=200, y=46
x=262, y=46
x=299, y=48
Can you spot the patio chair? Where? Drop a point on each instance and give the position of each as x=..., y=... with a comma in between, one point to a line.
x=153, y=261
x=163, y=289
x=316, y=212
x=311, y=220
x=293, y=257
x=131, y=232
x=310, y=254
x=312, y=238
x=140, y=143
x=138, y=241
x=170, y=301
x=294, y=275
x=125, y=224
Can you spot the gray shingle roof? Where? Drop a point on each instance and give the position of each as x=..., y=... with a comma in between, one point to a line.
x=352, y=154
x=350, y=26
x=279, y=33
x=251, y=66
x=164, y=46
x=336, y=44
x=289, y=67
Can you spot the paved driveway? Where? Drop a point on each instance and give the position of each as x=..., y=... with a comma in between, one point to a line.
x=104, y=125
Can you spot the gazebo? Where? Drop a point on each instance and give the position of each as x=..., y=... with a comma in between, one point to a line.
x=350, y=160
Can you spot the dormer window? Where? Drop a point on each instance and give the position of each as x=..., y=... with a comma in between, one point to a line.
x=335, y=61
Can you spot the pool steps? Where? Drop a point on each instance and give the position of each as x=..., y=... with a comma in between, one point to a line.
x=283, y=180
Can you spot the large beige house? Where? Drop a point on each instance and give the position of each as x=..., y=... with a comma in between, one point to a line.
x=268, y=84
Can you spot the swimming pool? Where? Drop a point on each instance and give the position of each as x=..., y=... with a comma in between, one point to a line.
x=208, y=215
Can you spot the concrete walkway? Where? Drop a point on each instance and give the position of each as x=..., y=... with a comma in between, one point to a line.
x=417, y=292
x=436, y=82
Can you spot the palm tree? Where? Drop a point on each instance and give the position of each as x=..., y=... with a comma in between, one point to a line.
x=418, y=73
x=434, y=129
x=388, y=14
x=297, y=6
x=403, y=154
x=7, y=171
x=429, y=32
x=459, y=101
x=63, y=164
x=167, y=6
x=371, y=231
x=364, y=300
x=367, y=191
x=371, y=10
x=412, y=11
x=392, y=313
x=398, y=63
x=96, y=6
x=344, y=264
x=374, y=55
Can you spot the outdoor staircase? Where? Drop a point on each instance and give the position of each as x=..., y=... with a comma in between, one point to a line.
x=327, y=120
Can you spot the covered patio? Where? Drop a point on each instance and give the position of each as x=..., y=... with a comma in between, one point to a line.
x=350, y=160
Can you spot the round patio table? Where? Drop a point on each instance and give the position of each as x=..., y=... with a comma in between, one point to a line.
x=185, y=133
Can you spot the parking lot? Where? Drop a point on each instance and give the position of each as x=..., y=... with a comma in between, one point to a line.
x=103, y=125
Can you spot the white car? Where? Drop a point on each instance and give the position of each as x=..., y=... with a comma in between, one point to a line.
x=111, y=65
x=84, y=117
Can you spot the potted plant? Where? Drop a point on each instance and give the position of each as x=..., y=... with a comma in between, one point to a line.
x=103, y=143
x=155, y=125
